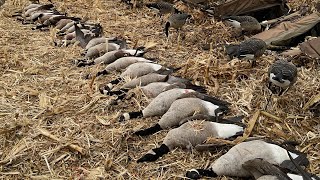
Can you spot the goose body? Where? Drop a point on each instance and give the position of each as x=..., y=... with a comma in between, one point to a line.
x=249, y=49
x=161, y=103
x=191, y=134
x=231, y=163
x=72, y=35
x=30, y=6
x=122, y=63
x=145, y=80
x=244, y=23
x=139, y=69
x=176, y=21
x=99, y=49
x=162, y=7
x=111, y=57
x=66, y=27
x=152, y=85
x=282, y=73
x=39, y=16
x=181, y=109
x=40, y=8
x=84, y=38
x=96, y=41
x=62, y=23
x=100, y=40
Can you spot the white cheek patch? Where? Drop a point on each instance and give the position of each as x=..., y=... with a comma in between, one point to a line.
x=110, y=85
x=105, y=92
x=126, y=116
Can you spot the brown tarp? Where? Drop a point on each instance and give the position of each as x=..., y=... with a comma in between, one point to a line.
x=239, y=7
x=311, y=48
x=288, y=30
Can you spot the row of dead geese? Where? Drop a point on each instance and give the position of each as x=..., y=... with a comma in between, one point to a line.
x=176, y=100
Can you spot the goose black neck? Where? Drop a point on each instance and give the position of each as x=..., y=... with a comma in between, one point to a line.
x=104, y=72
x=118, y=93
x=116, y=81
x=149, y=131
x=166, y=29
x=163, y=149
x=198, y=173
x=135, y=114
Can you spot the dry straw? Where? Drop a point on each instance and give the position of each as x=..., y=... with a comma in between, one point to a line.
x=56, y=125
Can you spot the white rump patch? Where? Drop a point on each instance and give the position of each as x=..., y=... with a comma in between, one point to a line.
x=279, y=154
x=210, y=107
x=126, y=116
x=156, y=67
x=226, y=130
x=110, y=85
x=295, y=177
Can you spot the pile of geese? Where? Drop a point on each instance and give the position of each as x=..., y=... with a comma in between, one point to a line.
x=179, y=102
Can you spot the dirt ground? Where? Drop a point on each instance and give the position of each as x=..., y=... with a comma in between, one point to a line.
x=54, y=124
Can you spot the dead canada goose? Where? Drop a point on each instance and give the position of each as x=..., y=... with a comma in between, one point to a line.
x=111, y=57
x=282, y=74
x=176, y=21
x=249, y=49
x=100, y=49
x=86, y=25
x=153, y=84
x=160, y=105
x=184, y=108
x=65, y=28
x=231, y=163
x=62, y=23
x=150, y=90
x=139, y=69
x=243, y=23
x=85, y=38
x=100, y=40
x=121, y=64
x=190, y=135
x=52, y=21
x=30, y=11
